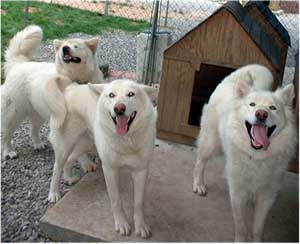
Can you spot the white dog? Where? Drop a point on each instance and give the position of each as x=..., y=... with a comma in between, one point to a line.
x=255, y=129
x=122, y=120
x=31, y=88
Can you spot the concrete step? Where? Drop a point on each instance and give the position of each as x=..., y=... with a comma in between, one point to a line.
x=174, y=213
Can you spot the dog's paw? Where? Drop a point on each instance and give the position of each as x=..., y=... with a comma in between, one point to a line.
x=88, y=166
x=123, y=227
x=143, y=230
x=200, y=190
x=70, y=180
x=39, y=146
x=53, y=197
x=9, y=155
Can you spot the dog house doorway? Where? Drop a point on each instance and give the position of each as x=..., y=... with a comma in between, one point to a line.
x=205, y=82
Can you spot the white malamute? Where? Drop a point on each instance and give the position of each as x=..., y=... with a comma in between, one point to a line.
x=120, y=120
x=30, y=87
x=255, y=129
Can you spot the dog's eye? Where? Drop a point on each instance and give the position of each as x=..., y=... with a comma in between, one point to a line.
x=252, y=104
x=272, y=107
x=130, y=94
x=111, y=95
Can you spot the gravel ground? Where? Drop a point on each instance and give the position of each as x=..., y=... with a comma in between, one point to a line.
x=26, y=180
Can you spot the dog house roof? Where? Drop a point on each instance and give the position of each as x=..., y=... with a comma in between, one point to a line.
x=256, y=33
x=263, y=8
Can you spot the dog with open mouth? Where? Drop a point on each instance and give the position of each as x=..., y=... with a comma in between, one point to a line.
x=119, y=119
x=32, y=89
x=255, y=128
x=75, y=58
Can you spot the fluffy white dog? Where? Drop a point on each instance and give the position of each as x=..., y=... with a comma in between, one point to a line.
x=31, y=88
x=122, y=122
x=255, y=129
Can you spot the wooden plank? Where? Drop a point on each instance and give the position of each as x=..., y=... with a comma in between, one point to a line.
x=189, y=130
x=169, y=95
x=161, y=95
x=192, y=59
x=184, y=97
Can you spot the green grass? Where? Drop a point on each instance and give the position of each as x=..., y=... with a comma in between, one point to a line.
x=58, y=21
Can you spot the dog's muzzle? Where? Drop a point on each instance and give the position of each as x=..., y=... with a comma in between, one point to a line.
x=259, y=134
x=67, y=57
x=123, y=122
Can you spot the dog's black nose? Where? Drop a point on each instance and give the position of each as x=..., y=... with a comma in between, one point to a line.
x=119, y=108
x=66, y=49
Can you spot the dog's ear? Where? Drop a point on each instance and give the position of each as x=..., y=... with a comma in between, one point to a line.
x=286, y=94
x=92, y=44
x=97, y=88
x=57, y=43
x=151, y=91
x=243, y=86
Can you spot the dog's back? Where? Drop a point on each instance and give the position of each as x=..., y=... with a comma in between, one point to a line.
x=259, y=78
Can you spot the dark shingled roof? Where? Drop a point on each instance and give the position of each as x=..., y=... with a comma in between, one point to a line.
x=271, y=18
x=257, y=34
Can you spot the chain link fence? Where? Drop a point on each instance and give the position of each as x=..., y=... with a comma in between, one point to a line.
x=180, y=16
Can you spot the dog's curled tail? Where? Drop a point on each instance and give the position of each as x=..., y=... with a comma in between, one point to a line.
x=261, y=77
x=54, y=96
x=22, y=46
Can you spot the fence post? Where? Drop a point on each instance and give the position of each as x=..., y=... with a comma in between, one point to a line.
x=106, y=7
x=26, y=13
x=151, y=55
x=167, y=12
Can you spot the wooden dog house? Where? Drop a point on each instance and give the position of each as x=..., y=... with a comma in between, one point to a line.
x=195, y=64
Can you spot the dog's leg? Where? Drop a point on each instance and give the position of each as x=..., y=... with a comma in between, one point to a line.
x=208, y=145
x=79, y=152
x=69, y=177
x=10, y=120
x=63, y=143
x=199, y=184
x=8, y=126
x=139, y=181
x=36, y=123
x=60, y=160
x=87, y=165
x=111, y=176
x=8, y=151
x=263, y=205
x=239, y=210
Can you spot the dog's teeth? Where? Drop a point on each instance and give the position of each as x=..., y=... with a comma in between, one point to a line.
x=251, y=131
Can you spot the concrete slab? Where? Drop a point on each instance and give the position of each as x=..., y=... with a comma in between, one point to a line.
x=172, y=210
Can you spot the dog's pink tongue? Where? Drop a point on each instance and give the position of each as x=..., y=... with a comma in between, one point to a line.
x=122, y=126
x=260, y=135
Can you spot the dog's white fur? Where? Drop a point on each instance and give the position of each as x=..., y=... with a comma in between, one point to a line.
x=32, y=88
x=254, y=176
x=92, y=119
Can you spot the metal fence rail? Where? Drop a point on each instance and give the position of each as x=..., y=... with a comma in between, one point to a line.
x=179, y=16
